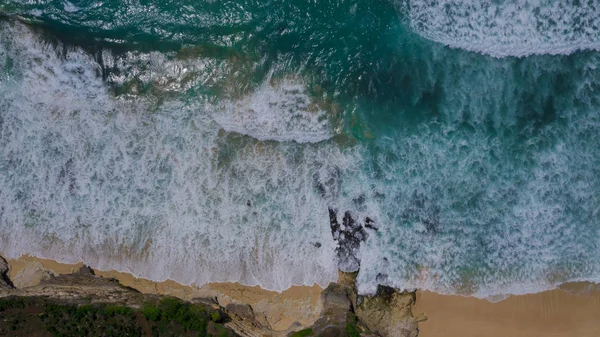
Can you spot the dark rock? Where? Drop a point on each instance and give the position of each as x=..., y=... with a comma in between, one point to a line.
x=240, y=311
x=5, y=282
x=335, y=298
x=85, y=270
x=332, y=331
x=337, y=307
x=212, y=301
x=370, y=224
x=422, y=209
x=359, y=202
x=326, y=182
x=245, y=313
x=348, y=235
x=381, y=278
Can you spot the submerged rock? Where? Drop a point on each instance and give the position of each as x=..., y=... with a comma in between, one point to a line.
x=424, y=210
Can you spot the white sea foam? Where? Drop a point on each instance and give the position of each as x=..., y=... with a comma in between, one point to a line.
x=280, y=111
x=508, y=27
x=489, y=216
x=512, y=241
x=162, y=193
x=159, y=190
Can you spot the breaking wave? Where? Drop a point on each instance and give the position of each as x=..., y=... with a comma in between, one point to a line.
x=509, y=27
x=273, y=143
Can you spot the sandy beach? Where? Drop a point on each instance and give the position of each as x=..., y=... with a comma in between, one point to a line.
x=573, y=310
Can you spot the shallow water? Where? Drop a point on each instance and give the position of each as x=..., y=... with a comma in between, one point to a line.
x=205, y=141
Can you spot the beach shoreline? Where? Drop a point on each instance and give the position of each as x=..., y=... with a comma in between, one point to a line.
x=298, y=304
x=570, y=310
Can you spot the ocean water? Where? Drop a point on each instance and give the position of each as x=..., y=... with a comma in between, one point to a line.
x=454, y=143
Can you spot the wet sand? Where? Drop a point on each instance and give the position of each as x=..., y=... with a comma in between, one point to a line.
x=573, y=310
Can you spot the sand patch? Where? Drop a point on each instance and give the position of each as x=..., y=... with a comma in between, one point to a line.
x=554, y=313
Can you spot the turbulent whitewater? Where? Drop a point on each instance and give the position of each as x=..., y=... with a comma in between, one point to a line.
x=273, y=142
x=509, y=27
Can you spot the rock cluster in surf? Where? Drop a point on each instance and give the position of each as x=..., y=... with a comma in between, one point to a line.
x=348, y=235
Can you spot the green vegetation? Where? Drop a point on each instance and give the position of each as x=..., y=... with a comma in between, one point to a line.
x=221, y=330
x=304, y=333
x=352, y=329
x=191, y=317
x=11, y=303
x=151, y=312
x=351, y=326
x=87, y=320
x=113, y=310
x=167, y=317
x=215, y=316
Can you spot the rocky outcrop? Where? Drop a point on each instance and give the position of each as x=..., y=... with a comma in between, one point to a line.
x=389, y=313
x=32, y=274
x=275, y=314
x=349, y=235
x=246, y=322
x=83, y=287
x=339, y=310
x=5, y=283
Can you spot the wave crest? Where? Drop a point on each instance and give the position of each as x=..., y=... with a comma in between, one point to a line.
x=280, y=111
x=509, y=28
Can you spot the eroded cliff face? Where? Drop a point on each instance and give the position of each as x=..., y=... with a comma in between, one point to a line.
x=5, y=283
x=345, y=313
x=389, y=313
x=339, y=310
x=80, y=287
x=84, y=304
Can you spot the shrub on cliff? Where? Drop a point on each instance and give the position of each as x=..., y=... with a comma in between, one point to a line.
x=151, y=312
x=28, y=316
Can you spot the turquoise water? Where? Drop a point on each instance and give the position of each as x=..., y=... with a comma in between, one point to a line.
x=205, y=141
